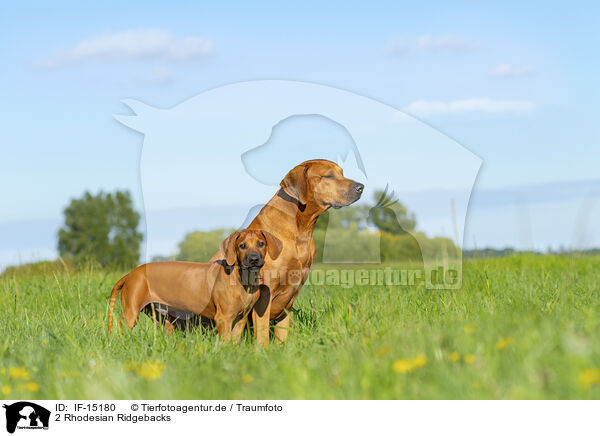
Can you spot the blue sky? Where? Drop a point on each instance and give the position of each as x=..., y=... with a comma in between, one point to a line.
x=514, y=83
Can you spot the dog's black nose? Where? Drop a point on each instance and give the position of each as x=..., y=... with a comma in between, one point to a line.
x=359, y=187
x=254, y=258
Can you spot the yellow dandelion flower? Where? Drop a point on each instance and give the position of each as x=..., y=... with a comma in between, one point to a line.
x=504, y=342
x=470, y=359
x=454, y=356
x=247, y=378
x=403, y=366
x=6, y=390
x=419, y=361
x=471, y=327
x=151, y=370
x=19, y=373
x=45, y=341
x=32, y=386
x=589, y=377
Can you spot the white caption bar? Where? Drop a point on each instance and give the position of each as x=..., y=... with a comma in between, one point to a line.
x=299, y=417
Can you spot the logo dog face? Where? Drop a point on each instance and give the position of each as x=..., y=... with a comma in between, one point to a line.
x=321, y=182
x=26, y=414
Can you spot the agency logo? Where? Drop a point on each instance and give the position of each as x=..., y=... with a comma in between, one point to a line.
x=224, y=152
x=26, y=415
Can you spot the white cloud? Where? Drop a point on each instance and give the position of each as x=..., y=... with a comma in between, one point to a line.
x=472, y=105
x=128, y=45
x=431, y=43
x=508, y=70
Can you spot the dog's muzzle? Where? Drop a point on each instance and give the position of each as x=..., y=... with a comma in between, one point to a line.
x=352, y=195
x=253, y=261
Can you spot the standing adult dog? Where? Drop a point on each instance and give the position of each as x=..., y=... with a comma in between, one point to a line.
x=306, y=192
x=223, y=291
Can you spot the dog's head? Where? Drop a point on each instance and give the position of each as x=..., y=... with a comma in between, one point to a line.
x=322, y=183
x=249, y=248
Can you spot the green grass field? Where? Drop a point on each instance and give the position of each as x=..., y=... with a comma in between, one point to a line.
x=521, y=327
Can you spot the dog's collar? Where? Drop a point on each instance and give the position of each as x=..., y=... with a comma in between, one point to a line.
x=287, y=197
x=228, y=268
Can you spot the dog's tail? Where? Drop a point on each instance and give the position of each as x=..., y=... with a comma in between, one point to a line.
x=113, y=299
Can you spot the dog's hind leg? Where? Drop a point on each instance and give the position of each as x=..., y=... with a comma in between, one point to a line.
x=132, y=302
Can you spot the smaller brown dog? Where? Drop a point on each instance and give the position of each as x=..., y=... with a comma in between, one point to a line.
x=224, y=291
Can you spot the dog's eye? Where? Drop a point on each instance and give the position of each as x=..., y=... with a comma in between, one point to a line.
x=260, y=244
x=243, y=246
x=328, y=176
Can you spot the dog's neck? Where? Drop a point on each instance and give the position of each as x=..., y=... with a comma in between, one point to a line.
x=249, y=279
x=287, y=197
x=300, y=217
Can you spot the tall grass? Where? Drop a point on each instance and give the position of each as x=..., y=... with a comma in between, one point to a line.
x=521, y=327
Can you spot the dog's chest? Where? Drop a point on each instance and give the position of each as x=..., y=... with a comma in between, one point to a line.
x=247, y=299
x=305, y=251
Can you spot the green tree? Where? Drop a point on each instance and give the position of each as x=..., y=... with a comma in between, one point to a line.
x=343, y=218
x=346, y=223
x=201, y=246
x=389, y=215
x=103, y=227
x=349, y=228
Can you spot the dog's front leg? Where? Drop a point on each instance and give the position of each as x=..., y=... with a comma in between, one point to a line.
x=238, y=329
x=261, y=313
x=261, y=326
x=282, y=328
x=224, y=327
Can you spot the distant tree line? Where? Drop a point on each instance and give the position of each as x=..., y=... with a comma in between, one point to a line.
x=485, y=253
x=384, y=231
x=104, y=228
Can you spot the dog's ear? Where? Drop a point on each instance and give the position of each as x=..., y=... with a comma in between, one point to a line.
x=228, y=248
x=274, y=245
x=295, y=183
